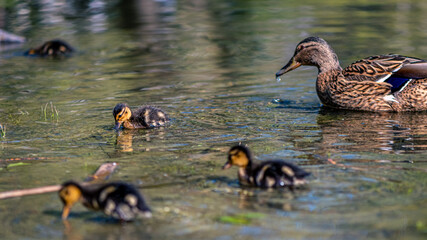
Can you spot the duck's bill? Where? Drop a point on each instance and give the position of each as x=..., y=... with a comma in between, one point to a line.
x=227, y=165
x=117, y=125
x=292, y=64
x=65, y=212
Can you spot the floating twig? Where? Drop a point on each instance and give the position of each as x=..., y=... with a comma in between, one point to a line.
x=31, y=191
x=27, y=159
x=103, y=172
x=7, y=37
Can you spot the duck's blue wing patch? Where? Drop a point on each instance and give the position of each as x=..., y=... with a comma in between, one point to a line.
x=397, y=82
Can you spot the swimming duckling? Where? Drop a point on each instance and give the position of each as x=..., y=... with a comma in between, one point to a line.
x=268, y=174
x=116, y=199
x=143, y=117
x=52, y=48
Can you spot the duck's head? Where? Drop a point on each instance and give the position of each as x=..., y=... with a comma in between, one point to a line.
x=312, y=51
x=238, y=155
x=121, y=114
x=70, y=193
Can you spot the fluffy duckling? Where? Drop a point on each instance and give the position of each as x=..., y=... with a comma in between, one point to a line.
x=52, y=48
x=116, y=199
x=267, y=174
x=143, y=117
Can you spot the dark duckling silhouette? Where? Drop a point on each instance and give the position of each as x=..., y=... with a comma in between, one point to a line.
x=52, y=48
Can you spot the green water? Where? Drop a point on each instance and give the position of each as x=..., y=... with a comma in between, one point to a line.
x=210, y=65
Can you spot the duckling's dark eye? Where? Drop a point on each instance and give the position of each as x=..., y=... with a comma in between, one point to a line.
x=300, y=48
x=120, y=115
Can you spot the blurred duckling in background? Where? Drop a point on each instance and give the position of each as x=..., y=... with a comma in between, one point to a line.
x=143, y=117
x=119, y=200
x=52, y=48
x=267, y=174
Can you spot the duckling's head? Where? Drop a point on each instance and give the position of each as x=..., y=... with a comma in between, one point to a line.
x=312, y=51
x=238, y=155
x=70, y=193
x=121, y=114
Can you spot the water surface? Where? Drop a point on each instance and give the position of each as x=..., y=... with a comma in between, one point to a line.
x=210, y=65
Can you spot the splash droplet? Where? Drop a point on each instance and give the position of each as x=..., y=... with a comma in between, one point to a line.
x=278, y=79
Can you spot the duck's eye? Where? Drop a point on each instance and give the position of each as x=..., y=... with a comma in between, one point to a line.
x=300, y=48
x=120, y=115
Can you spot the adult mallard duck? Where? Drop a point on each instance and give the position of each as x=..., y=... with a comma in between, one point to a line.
x=267, y=174
x=143, y=117
x=52, y=48
x=116, y=199
x=378, y=83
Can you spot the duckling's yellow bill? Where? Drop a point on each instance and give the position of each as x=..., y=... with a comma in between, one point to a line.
x=65, y=212
x=292, y=64
x=227, y=165
x=117, y=125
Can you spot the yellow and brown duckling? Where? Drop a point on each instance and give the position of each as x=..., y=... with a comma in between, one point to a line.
x=119, y=200
x=143, y=117
x=52, y=48
x=378, y=83
x=266, y=174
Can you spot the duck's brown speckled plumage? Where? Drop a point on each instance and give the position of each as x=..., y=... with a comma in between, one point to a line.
x=375, y=68
x=377, y=83
x=143, y=117
x=266, y=174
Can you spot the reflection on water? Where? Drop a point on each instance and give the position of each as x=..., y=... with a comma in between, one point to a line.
x=126, y=139
x=388, y=132
x=210, y=65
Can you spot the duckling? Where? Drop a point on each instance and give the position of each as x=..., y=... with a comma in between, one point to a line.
x=268, y=174
x=116, y=199
x=52, y=48
x=143, y=117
